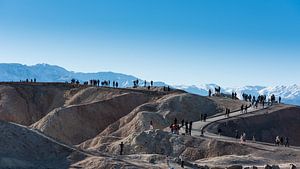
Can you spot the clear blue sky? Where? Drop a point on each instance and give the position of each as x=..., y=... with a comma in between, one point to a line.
x=231, y=43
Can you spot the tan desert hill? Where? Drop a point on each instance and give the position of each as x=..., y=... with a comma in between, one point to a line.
x=27, y=103
x=77, y=123
x=162, y=113
x=22, y=148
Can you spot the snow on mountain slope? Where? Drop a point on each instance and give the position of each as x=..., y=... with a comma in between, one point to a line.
x=289, y=94
x=51, y=73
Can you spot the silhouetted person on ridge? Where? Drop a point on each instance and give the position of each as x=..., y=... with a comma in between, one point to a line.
x=279, y=99
x=209, y=93
x=182, y=122
x=151, y=83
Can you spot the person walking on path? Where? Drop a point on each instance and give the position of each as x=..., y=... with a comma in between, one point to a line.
x=186, y=128
x=190, y=127
x=286, y=142
x=205, y=117
x=151, y=125
x=121, y=148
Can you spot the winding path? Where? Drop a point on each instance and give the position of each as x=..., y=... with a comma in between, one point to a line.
x=200, y=125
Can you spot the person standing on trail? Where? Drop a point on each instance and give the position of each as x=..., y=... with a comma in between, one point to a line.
x=286, y=142
x=279, y=99
x=190, y=127
x=205, y=117
x=244, y=137
x=151, y=125
x=236, y=134
x=182, y=122
x=253, y=139
x=175, y=120
x=151, y=83
x=201, y=117
x=246, y=108
x=202, y=132
x=121, y=148
x=186, y=127
x=277, y=141
x=281, y=140
x=209, y=93
x=242, y=108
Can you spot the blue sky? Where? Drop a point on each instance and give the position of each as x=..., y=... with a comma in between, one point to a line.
x=231, y=43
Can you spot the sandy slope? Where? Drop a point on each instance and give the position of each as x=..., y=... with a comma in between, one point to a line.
x=26, y=104
x=77, y=123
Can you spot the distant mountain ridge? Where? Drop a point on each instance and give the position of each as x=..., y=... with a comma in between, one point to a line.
x=289, y=94
x=51, y=73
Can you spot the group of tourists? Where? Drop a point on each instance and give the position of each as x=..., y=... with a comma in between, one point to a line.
x=244, y=108
x=217, y=91
x=28, y=80
x=203, y=117
x=233, y=95
x=262, y=99
x=137, y=82
x=175, y=127
x=242, y=137
x=227, y=112
x=166, y=88
x=282, y=141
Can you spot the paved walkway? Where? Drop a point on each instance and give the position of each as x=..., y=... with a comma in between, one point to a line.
x=198, y=125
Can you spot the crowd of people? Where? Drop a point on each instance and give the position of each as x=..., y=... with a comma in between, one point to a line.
x=28, y=80
x=175, y=127
x=227, y=112
x=283, y=141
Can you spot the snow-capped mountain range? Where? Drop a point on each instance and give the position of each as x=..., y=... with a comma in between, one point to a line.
x=51, y=73
x=289, y=94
